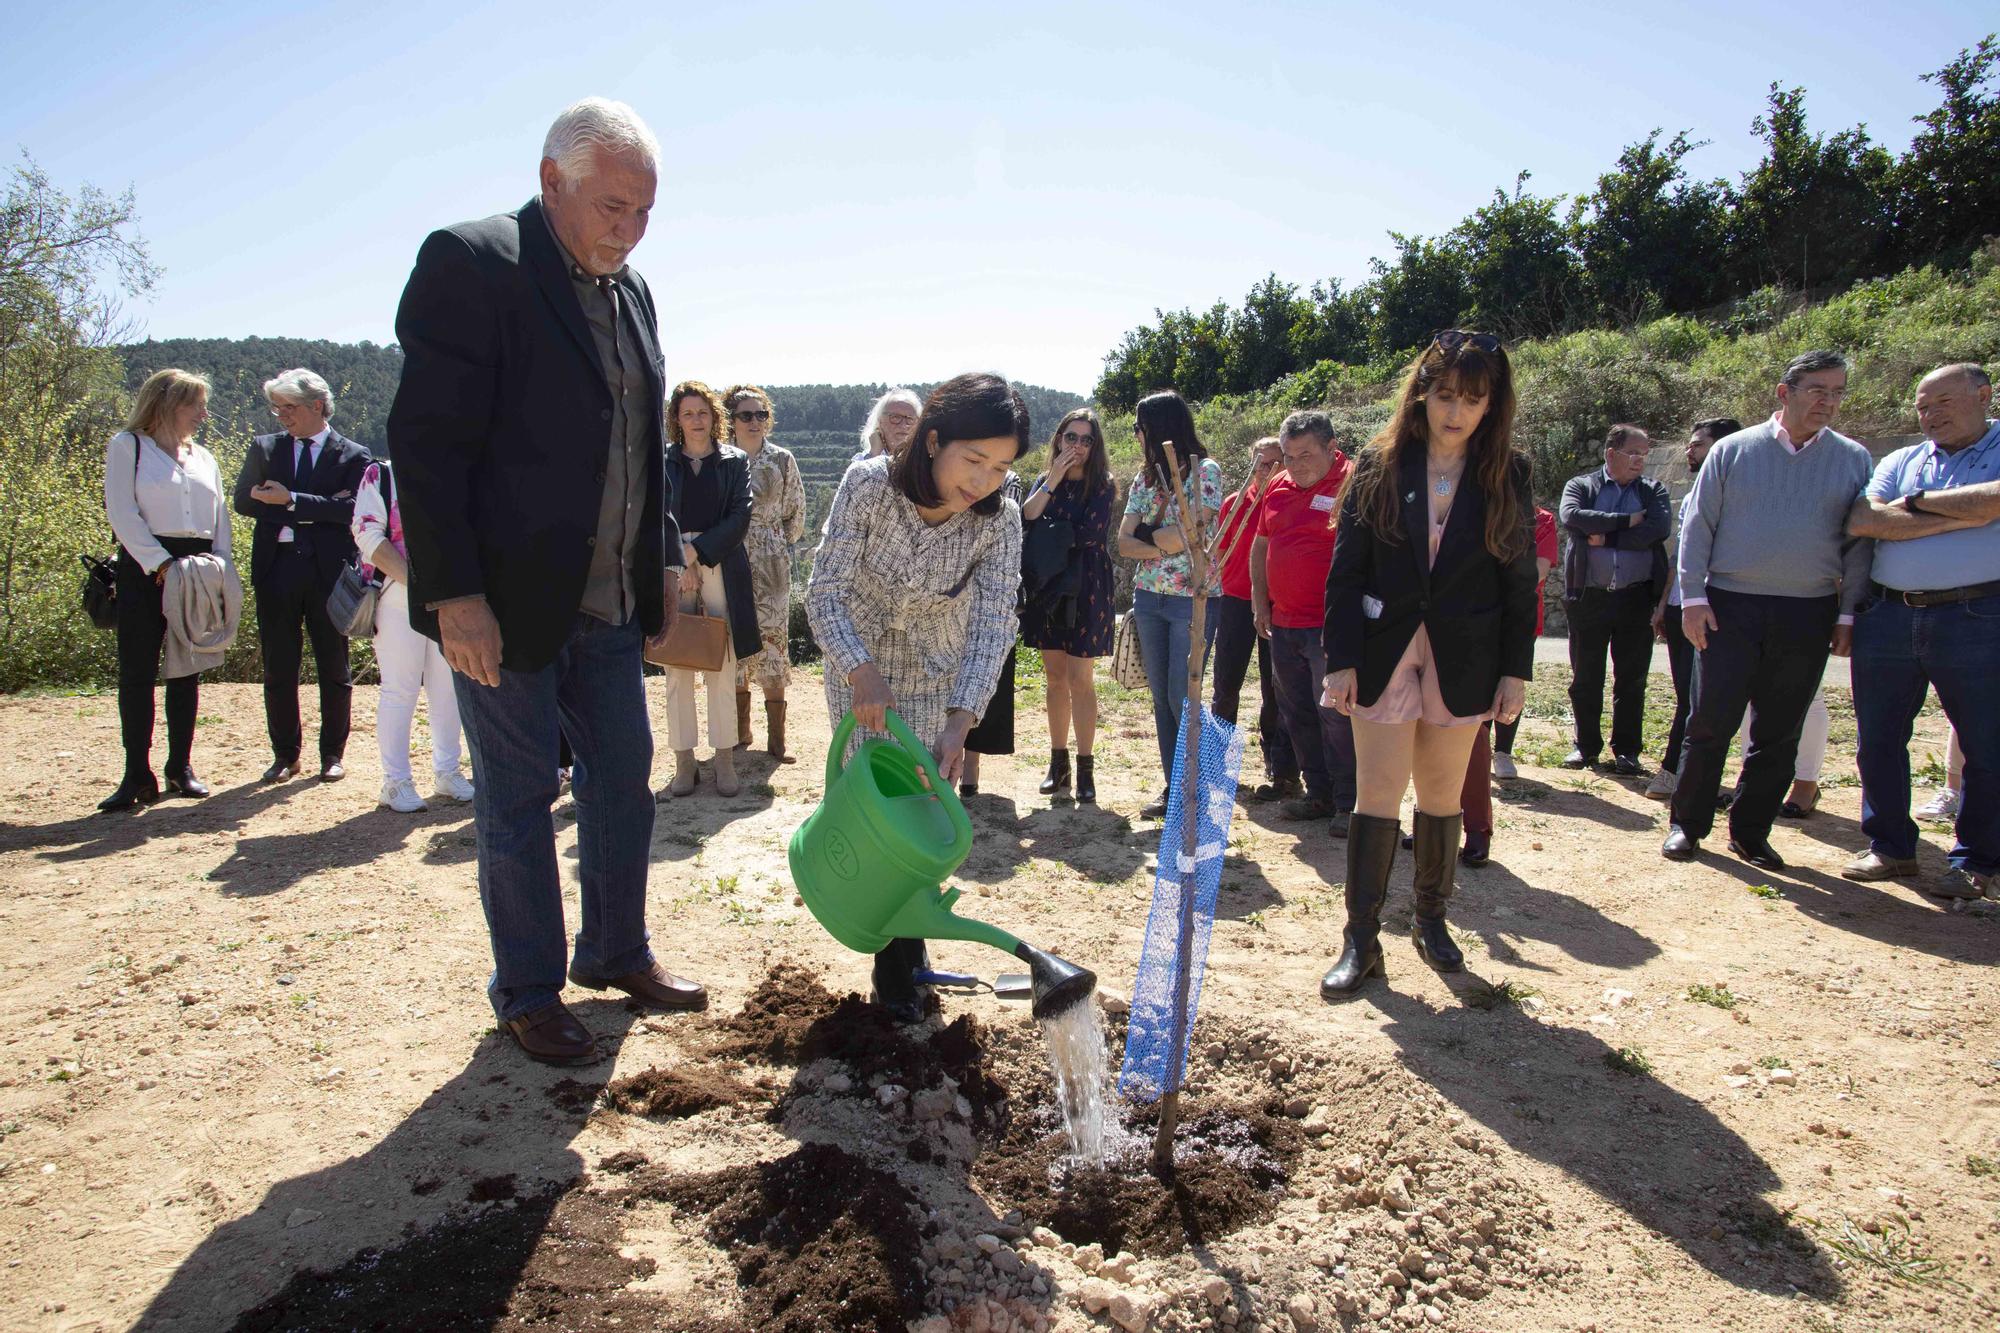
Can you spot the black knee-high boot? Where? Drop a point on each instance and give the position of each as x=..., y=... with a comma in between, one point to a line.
x=1437, y=852
x=1371, y=851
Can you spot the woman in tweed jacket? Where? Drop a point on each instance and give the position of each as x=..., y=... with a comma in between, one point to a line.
x=913, y=589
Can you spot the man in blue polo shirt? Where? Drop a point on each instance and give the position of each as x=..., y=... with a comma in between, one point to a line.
x=1933, y=620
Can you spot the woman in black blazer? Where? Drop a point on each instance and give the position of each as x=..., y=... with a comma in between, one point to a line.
x=710, y=483
x=1430, y=626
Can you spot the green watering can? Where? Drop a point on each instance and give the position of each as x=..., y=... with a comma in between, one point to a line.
x=870, y=862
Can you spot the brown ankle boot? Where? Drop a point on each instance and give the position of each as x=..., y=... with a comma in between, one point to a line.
x=742, y=719
x=774, y=715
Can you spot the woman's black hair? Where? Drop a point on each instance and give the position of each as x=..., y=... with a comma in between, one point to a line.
x=1165, y=416
x=974, y=406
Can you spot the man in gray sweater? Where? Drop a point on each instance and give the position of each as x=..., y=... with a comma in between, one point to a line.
x=1770, y=581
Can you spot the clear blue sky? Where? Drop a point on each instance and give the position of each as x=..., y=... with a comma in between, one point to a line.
x=897, y=191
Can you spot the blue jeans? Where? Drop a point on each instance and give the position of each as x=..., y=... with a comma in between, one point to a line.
x=1322, y=738
x=592, y=693
x=1163, y=621
x=1899, y=651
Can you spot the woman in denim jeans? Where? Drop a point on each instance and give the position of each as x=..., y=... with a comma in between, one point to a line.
x=1163, y=586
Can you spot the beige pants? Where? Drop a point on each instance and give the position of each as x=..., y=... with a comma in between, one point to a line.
x=681, y=725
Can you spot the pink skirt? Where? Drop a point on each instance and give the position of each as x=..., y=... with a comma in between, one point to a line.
x=1412, y=692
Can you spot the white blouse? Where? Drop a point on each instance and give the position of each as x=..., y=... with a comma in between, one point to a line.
x=167, y=498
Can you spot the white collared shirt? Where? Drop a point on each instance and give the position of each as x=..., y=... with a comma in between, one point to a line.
x=164, y=496
x=302, y=467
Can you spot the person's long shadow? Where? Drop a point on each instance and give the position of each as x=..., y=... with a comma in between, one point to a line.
x=1499, y=906
x=1579, y=801
x=271, y=863
x=88, y=837
x=491, y=1132
x=683, y=825
x=1880, y=911
x=1552, y=1093
x=1098, y=844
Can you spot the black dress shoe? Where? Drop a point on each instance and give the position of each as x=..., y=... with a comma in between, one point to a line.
x=1757, y=851
x=132, y=793
x=1725, y=798
x=1679, y=846
x=331, y=770
x=1284, y=789
x=281, y=770
x=1478, y=849
x=1057, y=778
x=1154, y=809
x=185, y=783
x=1577, y=759
x=1086, y=779
x=1626, y=766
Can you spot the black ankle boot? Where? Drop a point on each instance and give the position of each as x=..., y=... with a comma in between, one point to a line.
x=137, y=789
x=1058, y=776
x=1437, y=853
x=1371, y=851
x=1086, y=780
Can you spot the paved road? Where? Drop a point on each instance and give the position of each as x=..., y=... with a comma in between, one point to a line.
x=1556, y=653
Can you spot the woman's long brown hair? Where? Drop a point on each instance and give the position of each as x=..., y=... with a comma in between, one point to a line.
x=1096, y=467
x=1489, y=454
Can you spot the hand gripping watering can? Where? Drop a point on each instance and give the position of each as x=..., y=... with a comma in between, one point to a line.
x=871, y=860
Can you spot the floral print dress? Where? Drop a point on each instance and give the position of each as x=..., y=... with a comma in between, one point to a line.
x=777, y=521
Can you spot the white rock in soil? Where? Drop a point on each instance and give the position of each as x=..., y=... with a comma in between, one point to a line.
x=1113, y=1003
x=1095, y=1296
x=1215, y=1290
x=987, y=1242
x=1784, y=1078
x=836, y=1083
x=891, y=1093
x=1090, y=1257
x=1131, y=1312
x=1396, y=1192
x=1304, y=1313
x=300, y=1217
x=932, y=1104
x=1615, y=997
x=1007, y=1261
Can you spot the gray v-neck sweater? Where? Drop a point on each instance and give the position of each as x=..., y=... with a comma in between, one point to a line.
x=1762, y=519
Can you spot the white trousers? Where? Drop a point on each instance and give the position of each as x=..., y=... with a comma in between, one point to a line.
x=681, y=724
x=409, y=662
x=1812, y=739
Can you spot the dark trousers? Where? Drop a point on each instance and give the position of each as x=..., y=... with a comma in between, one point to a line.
x=1503, y=736
x=994, y=732
x=1475, y=799
x=142, y=630
x=1765, y=651
x=1622, y=622
x=1322, y=738
x=1900, y=651
x=1235, y=632
x=1680, y=661
x=292, y=596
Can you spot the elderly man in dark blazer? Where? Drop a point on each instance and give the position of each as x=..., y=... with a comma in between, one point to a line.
x=527, y=434
x=299, y=485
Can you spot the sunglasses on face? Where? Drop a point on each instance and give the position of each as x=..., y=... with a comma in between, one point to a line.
x=1450, y=340
x=1071, y=437
x=753, y=415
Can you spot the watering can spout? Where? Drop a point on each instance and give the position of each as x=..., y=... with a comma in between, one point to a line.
x=1058, y=984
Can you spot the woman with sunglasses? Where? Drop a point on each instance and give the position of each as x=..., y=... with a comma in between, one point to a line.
x=1068, y=617
x=777, y=520
x=1430, y=627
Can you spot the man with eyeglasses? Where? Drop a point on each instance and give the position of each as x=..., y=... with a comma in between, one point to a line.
x=1770, y=581
x=1617, y=519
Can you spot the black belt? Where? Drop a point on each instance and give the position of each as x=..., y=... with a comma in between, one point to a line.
x=1941, y=597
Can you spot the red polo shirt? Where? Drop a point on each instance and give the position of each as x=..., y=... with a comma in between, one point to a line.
x=1236, y=565
x=1297, y=525
x=1545, y=549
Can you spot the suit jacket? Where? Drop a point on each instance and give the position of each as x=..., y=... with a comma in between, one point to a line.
x=322, y=504
x=1479, y=611
x=721, y=544
x=500, y=432
x=1580, y=517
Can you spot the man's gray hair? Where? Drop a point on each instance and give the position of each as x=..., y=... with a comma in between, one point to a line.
x=299, y=386
x=871, y=427
x=1316, y=424
x=1811, y=363
x=597, y=123
x=1975, y=374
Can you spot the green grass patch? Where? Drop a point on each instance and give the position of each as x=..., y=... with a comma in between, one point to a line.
x=1490, y=995
x=1628, y=1060
x=1893, y=1254
x=1976, y=1165
x=1719, y=996
x=1762, y=891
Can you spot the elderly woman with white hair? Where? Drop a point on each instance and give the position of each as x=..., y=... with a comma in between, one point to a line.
x=891, y=424
x=299, y=485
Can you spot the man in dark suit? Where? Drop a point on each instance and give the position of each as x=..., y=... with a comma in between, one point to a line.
x=529, y=445
x=1617, y=519
x=299, y=485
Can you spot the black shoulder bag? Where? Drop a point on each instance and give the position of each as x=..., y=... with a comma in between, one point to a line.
x=100, y=576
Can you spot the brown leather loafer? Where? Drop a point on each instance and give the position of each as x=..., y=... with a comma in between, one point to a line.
x=552, y=1035
x=655, y=986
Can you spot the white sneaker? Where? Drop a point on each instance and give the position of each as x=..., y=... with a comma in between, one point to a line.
x=1661, y=788
x=452, y=785
x=1503, y=766
x=401, y=796
x=1944, y=805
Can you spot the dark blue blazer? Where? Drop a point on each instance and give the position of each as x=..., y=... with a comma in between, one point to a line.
x=322, y=511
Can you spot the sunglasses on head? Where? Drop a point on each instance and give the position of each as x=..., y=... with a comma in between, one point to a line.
x=1450, y=340
x=753, y=414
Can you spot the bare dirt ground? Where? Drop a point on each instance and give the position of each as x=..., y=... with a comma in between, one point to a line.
x=248, y=1076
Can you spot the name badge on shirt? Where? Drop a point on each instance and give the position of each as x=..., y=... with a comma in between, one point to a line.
x=1323, y=503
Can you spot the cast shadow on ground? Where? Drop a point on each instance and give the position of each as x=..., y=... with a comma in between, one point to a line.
x=449, y=1152
x=89, y=837
x=1550, y=1093
x=1892, y=912
x=257, y=867
x=1005, y=839
x=683, y=825
x=1526, y=795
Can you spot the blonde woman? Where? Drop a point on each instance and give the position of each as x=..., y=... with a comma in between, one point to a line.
x=777, y=521
x=163, y=495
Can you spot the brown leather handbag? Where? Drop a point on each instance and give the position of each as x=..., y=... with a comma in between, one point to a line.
x=695, y=643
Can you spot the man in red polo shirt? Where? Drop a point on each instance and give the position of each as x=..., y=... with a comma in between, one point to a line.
x=1288, y=566
x=1236, y=630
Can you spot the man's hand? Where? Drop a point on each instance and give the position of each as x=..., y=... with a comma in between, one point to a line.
x=872, y=697
x=1260, y=613
x=950, y=748
x=1595, y=539
x=1660, y=622
x=1509, y=699
x=670, y=610
x=471, y=640
x=271, y=493
x=1337, y=690
x=1697, y=622
x=1843, y=640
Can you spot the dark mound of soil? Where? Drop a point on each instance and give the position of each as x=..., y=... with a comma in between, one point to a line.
x=793, y=1020
x=551, y=1261
x=819, y=1239
x=671, y=1093
x=620, y=1162
x=1231, y=1165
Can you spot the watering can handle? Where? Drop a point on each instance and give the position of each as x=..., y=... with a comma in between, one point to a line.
x=836, y=758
